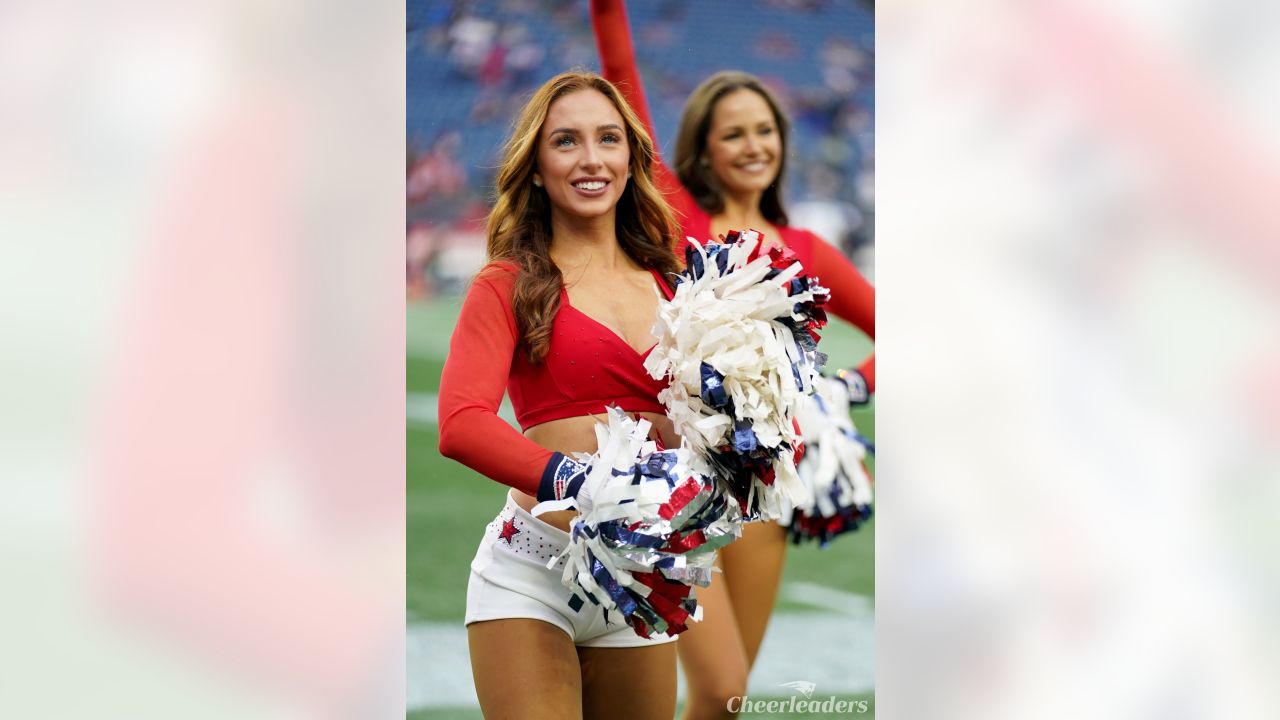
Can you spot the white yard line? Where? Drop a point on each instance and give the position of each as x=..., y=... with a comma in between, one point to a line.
x=825, y=598
x=833, y=650
x=421, y=408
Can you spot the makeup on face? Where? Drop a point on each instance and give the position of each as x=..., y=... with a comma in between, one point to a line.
x=744, y=146
x=583, y=156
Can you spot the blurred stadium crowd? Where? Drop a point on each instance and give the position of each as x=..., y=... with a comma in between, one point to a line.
x=471, y=64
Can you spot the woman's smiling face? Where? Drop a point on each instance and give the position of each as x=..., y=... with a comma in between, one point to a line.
x=744, y=148
x=583, y=157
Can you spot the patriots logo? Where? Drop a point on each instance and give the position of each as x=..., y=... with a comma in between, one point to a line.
x=563, y=476
x=804, y=687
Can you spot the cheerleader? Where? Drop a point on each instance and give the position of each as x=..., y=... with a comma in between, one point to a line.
x=730, y=161
x=560, y=318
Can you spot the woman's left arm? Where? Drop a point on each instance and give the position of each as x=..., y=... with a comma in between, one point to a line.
x=852, y=298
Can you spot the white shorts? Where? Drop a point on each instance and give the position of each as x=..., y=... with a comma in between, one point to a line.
x=510, y=579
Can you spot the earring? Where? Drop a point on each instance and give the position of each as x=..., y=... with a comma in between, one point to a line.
x=704, y=162
x=537, y=182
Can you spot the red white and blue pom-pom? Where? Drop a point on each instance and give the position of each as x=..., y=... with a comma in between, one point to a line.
x=648, y=526
x=832, y=468
x=738, y=342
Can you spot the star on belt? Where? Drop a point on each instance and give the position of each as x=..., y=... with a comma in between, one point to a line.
x=509, y=530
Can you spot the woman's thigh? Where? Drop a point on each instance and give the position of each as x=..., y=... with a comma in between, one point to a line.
x=636, y=683
x=752, y=572
x=525, y=669
x=711, y=652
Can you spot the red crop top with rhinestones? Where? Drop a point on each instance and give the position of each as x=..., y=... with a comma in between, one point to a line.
x=853, y=299
x=587, y=368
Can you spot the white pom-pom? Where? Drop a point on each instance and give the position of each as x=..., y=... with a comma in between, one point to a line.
x=638, y=508
x=832, y=469
x=726, y=317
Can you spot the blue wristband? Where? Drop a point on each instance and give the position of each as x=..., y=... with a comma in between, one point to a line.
x=561, y=478
x=857, y=385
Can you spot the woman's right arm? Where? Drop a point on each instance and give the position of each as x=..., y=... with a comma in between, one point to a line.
x=618, y=65
x=471, y=388
x=618, y=57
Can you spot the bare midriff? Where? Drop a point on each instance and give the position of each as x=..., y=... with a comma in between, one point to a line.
x=577, y=434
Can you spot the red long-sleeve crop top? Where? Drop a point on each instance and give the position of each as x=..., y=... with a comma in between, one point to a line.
x=587, y=368
x=852, y=297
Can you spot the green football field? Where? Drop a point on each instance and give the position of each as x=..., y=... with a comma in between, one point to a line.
x=448, y=507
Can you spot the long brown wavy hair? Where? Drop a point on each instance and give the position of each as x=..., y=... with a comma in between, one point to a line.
x=691, y=143
x=519, y=228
